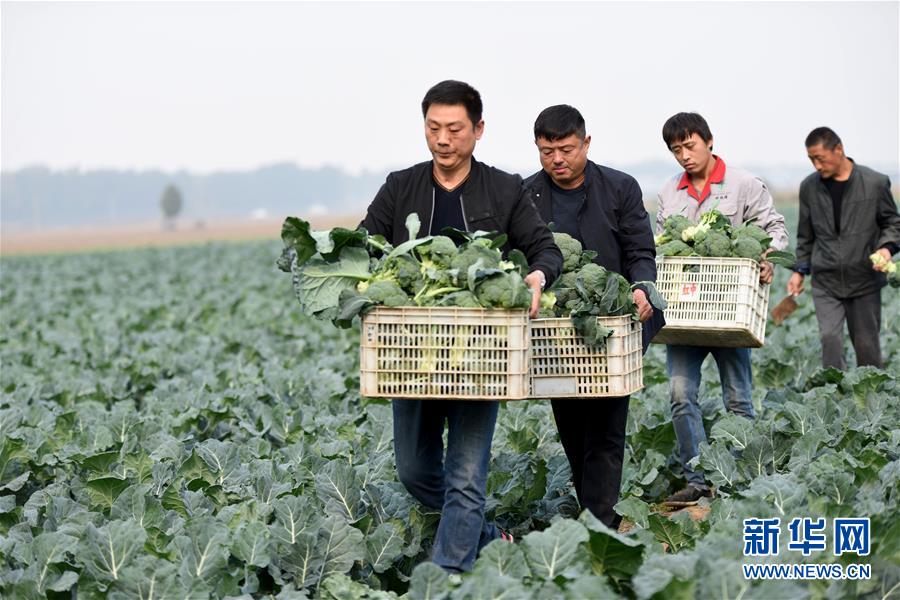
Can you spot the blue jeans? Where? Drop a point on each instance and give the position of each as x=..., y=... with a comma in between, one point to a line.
x=455, y=485
x=684, y=363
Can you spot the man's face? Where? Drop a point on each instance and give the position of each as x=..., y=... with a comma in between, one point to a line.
x=564, y=159
x=693, y=154
x=826, y=162
x=450, y=134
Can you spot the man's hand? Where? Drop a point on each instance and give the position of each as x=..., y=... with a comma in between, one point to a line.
x=795, y=284
x=766, y=270
x=535, y=280
x=644, y=308
x=884, y=265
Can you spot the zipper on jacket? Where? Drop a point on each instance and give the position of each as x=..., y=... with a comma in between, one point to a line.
x=463, y=209
x=431, y=219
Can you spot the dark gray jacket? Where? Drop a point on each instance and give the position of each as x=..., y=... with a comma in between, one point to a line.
x=493, y=200
x=839, y=263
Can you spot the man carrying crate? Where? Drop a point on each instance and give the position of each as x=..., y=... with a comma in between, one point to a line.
x=604, y=210
x=847, y=213
x=706, y=183
x=455, y=190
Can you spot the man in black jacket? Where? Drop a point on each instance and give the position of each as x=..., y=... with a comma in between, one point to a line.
x=847, y=213
x=604, y=210
x=453, y=189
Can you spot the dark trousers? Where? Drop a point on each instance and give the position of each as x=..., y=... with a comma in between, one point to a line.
x=863, y=317
x=592, y=432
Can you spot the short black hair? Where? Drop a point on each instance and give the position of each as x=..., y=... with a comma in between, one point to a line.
x=681, y=126
x=557, y=122
x=823, y=135
x=451, y=92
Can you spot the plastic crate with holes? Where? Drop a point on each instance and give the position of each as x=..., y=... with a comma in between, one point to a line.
x=564, y=366
x=712, y=301
x=444, y=353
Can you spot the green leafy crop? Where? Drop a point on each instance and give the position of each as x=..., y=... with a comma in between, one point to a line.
x=673, y=228
x=587, y=291
x=339, y=274
x=714, y=236
x=385, y=292
x=571, y=250
x=170, y=427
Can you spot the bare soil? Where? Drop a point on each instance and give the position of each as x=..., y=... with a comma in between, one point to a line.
x=151, y=234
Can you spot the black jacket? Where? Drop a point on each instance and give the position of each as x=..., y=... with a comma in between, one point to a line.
x=614, y=223
x=840, y=263
x=493, y=200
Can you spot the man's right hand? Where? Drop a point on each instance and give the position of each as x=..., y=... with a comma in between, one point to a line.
x=795, y=284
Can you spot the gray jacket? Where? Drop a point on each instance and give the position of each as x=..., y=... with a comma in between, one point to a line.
x=840, y=263
x=741, y=197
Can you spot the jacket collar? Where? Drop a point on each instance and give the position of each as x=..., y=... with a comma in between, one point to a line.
x=540, y=185
x=849, y=179
x=474, y=173
x=717, y=176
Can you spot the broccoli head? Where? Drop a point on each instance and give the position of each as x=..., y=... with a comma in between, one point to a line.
x=715, y=220
x=564, y=288
x=405, y=271
x=674, y=248
x=755, y=232
x=490, y=259
x=690, y=234
x=463, y=299
x=548, y=300
x=593, y=276
x=674, y=225
x=747, y=247
x=440, y=251
x=571, y=251
x=715, y=243
x=503, y=290
x=700, y=235
x=387, y=293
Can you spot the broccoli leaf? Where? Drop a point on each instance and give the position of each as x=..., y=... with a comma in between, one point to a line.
x=318, y=283
x=352, y=304
x=295, y=234
x=329, y=246
x=457, y=235
x=477, y=272
x=499, y=241
x=589, y=327
x=517, y=257
x=408, y=245
x=610, y=295
x=782, y=259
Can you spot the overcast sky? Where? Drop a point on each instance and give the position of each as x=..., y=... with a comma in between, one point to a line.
x=212, y=86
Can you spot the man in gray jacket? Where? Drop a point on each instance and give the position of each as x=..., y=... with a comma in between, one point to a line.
x=847, y=213
x=706, y=183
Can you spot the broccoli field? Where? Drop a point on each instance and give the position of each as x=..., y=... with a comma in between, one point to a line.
x=172, y=427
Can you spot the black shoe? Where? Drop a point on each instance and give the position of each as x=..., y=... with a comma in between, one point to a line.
x=688, y=496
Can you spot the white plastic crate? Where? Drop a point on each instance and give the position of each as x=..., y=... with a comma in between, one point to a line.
x=563, y=366
x=444, y=353
x=712, y=301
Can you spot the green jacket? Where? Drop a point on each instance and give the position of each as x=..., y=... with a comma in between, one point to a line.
x=839, y=263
